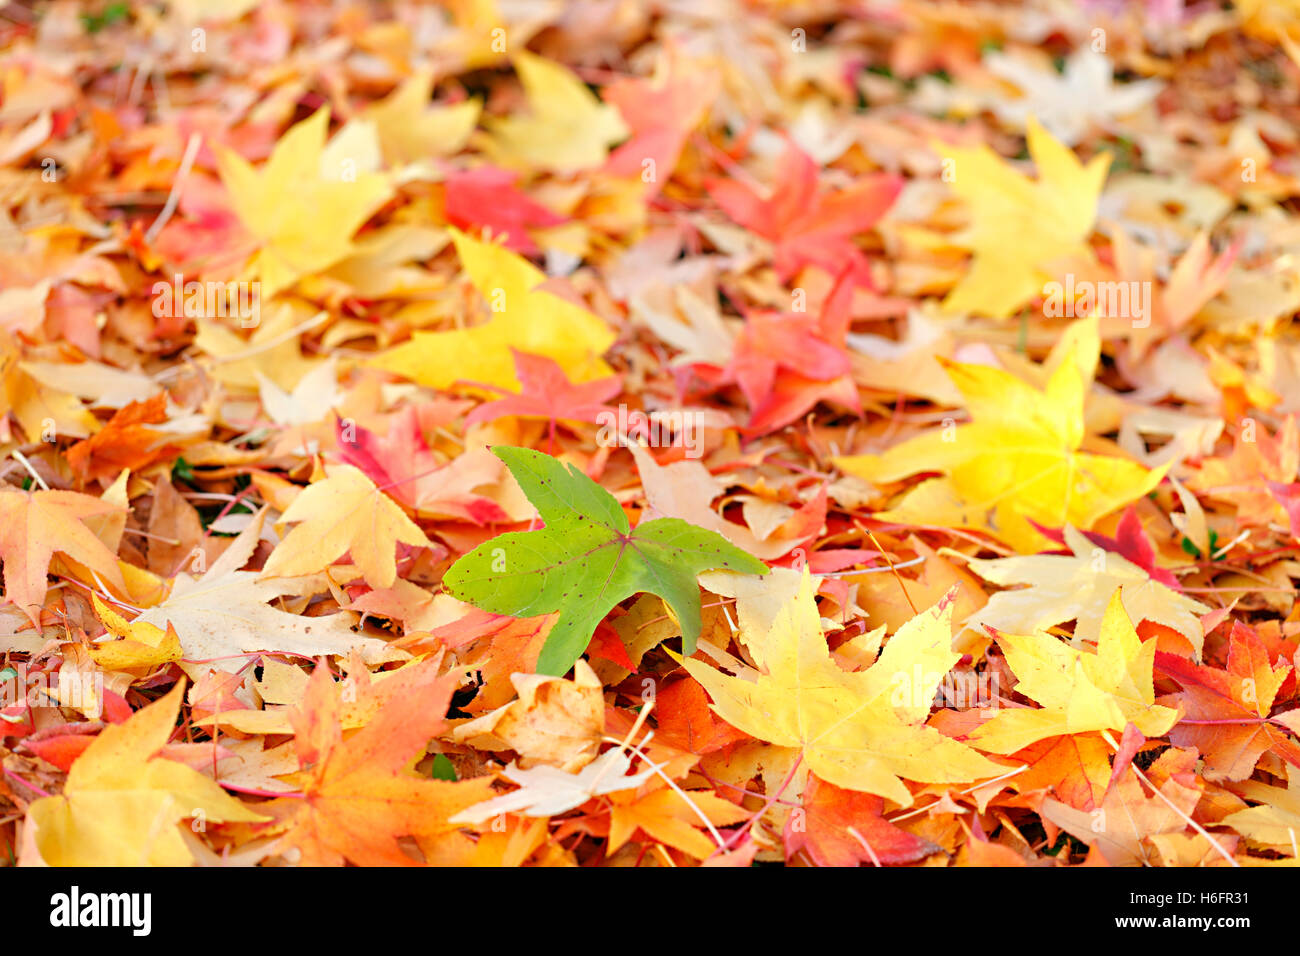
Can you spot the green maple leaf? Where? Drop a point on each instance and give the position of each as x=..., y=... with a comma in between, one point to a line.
x=586, y=560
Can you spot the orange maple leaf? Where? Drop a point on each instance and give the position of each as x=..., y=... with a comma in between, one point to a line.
x=126, y=442
x=1119, y=831
x=1228, y=711
x=1246, y=477
x=670, y=817
x=33, y=525
x=686, y=722
x=359, y=800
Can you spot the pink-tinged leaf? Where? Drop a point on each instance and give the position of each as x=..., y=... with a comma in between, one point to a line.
x=487, y=198
x=1129, y=744
x=404, y=467
x=1131, y=542
x=785, y=363
x=546, y=392
x=661, y=116
x=1288, y=496
x=1227, y=713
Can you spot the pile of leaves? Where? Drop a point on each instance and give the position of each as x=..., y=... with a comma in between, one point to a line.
x=649, y=433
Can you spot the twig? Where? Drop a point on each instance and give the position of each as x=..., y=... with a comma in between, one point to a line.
x=174, y=197
x=30, y=470
x=1106, y=735
x=897, y=577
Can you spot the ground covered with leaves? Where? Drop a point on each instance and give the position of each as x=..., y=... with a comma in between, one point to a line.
x=638, y=433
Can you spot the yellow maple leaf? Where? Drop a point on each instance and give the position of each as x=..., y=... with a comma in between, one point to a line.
x=410, y=130
x=1018, y=225
x=36, y=405
x=302, y=214
x=1017, y=460
x=138, y=644
x=273, y=349
x=344, y=513
x=1080, y=691
x=1079, y=587
x=1275, y=822
x=860, y=731
x=523, y=317
x=121, y=804
x=566, y=128
x=1270, y=19
x=479, y=39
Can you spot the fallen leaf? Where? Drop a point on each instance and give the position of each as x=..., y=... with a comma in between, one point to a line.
x=843, y=828
x=555, y=722
x=1079, y=691
x=36, y=524
x=1228, y=713
x=1018, y=460
x=357, y=799
x=565, y=128
x=344, y=514
x=1080, y=587
x=587, y=539
x=1018, y=226
x=303, y=221
x=858, y=731
x=121, y=803
x=524, y=317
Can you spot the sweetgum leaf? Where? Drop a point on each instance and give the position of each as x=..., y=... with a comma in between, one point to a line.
x=586, y=560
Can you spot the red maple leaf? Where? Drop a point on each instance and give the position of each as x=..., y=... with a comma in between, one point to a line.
x=488, y=198
x=808, y=227
x=785, y=363
x=546, y=392
x=845, y=828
